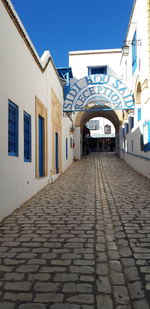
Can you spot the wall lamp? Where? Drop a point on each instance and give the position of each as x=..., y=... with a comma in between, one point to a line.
x=125, y=47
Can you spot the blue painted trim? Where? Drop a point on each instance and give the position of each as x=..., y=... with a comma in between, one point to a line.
x=94, y=110
x=41, y=146
x=97, y=69
x=66, y=148
x=27, y=137
x=134, y=54
x=135, y=155
x=13, y=125
x=56, y=153
x=147, y=146
x=139, y=111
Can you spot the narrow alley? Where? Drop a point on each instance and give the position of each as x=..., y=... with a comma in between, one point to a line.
x=83, y=242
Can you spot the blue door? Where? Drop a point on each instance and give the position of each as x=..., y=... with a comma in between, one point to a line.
x=41, y=146
x=56, y=153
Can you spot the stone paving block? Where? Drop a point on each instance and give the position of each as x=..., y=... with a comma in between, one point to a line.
x=6, y=268
x=117, y=278
x=115, y=266
x=27, y=268
x=104, y=302
x=84, y=288
x=145, y=269
x=6, y=305
x=128, y=261
x=26, y=255
x=136, y=290
x=88, y=307
x=61, y=262
x=37, y=261
x=82, y=269
x=84, y=262
x=102, y=269
x=64, y=306
x=32, y=306
x=71, y=256
x=18, y=296
x=39, y=277
x=121, y=295
x=113, y=255
x=65, y=277
x=81, y=299
x=52, y=269
x=124, y=307
x=13, y=276
x=141, y=304
x=125, y=251
x=131, y=273
x=18, y=286
x=48, y=297
x=87, y=278
x=103, y=284
x=70, y=287
x=46, y=287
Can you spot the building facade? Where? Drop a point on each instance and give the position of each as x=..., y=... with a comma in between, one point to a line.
x=135, y=68
x=35, y=138
x=39, y=137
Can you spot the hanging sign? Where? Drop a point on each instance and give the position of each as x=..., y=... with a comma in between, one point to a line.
x=101, y=91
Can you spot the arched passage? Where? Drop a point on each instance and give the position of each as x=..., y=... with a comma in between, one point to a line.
x=116, y=117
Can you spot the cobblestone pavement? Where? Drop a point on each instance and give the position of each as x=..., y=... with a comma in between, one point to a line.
x=81, y=243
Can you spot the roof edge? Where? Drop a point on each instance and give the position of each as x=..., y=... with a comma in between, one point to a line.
x=17, y=22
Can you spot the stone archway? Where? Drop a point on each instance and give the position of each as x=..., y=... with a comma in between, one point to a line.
x=116, y=117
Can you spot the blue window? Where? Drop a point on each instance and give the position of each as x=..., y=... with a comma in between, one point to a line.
x=12, y=129
x=134, y=54
x=66, y=148
x=131, y=122
x=126, y=128
x=139, y=114
x=97, y=70
x=27, y=137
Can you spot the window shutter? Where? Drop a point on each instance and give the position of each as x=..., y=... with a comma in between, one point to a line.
x=12, y=129
x=27, y=137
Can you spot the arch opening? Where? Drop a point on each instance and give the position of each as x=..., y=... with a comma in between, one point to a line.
x=98, y=135
x=111, y=117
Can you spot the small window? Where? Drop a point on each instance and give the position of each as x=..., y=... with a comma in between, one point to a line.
x=12, y=129
x=134, y=53
x=126, y=128
x=93, y=124
x=66, y=148
x=107, y=129
x=97, y=70
x=131, y=122
x=27, y=137
x=139, y=114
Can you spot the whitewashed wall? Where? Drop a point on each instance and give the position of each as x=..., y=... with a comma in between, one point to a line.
x=20, y=81
x=79, y=61
x=138, y=23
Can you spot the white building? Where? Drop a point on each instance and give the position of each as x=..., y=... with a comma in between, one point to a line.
x=135, y=67
x=37, y=137
x=132, y=70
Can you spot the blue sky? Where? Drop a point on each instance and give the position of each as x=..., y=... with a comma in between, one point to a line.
x=63, y=26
